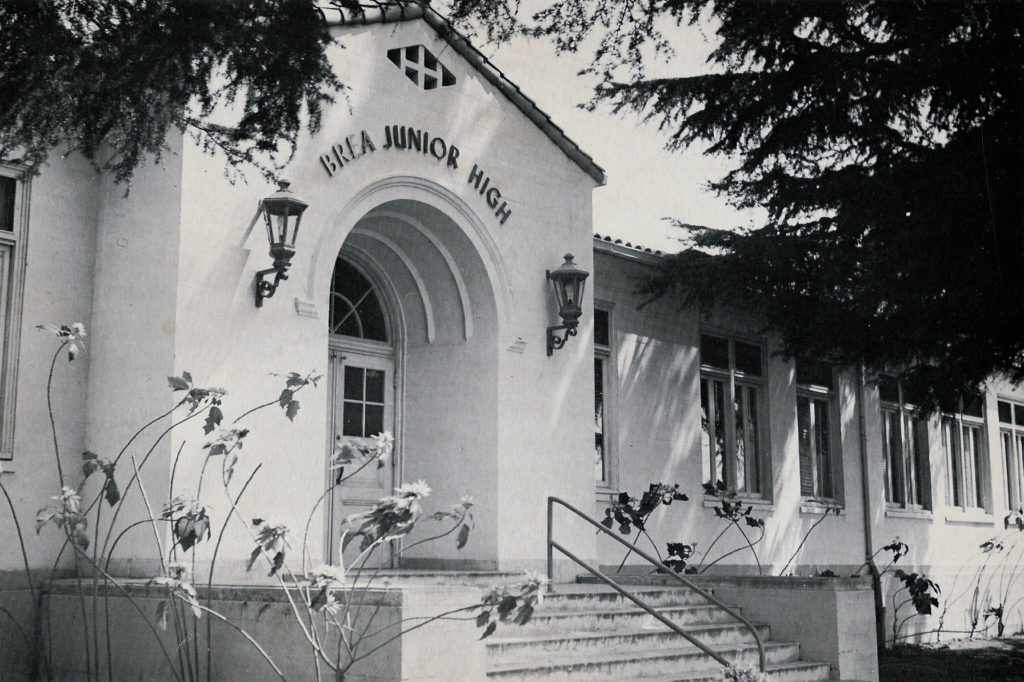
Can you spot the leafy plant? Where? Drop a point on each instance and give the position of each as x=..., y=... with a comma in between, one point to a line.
x=732, y=510
x=627, y=512
x=321, y=599
x=504, y=605
x=678, y=554
x=921, y=592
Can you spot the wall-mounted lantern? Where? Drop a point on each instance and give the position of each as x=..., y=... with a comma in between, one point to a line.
x=568, y=281
x=282, y=213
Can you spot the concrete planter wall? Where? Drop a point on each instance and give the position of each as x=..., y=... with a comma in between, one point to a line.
x=442, y=650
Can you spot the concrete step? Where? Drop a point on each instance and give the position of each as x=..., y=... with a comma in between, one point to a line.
x=415, y=577
x=619, y=618
x=629, y=665
x=793, y=671
x=513, y=645
x=573, y=597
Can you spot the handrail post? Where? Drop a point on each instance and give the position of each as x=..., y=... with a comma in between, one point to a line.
x=550, y=548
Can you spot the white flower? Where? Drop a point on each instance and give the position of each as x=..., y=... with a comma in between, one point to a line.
x=417, y=490
x=324, y=574
x=383, y=444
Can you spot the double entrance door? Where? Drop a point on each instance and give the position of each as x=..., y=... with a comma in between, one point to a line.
x=361, y=381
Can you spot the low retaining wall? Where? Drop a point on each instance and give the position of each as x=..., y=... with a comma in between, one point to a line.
x=833, y=619
x=443, y=650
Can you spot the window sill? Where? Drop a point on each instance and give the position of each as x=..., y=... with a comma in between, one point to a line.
x=758, y=503
x=604, y=493
x=818, y=508
x=905, y=513
x=976, y=517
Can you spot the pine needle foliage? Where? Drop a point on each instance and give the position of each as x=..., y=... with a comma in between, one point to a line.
x=882, y=138
x=111, y=78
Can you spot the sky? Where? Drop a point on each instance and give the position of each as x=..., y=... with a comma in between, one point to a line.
x=645, y=183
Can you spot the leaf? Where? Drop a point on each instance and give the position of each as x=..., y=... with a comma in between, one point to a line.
x=178, y=384
x=285, y=398
x=80, y=537
x=506, y=606
x=490, y=630
x=73, y=350
x=463, y=537
x=523, y=617
x=43, y=517
x=161, y=614
x=111, y=492
x=292, y=409
x=277, y=563
x=319, y=599
x=213, y=419
x=90, y=463
x=187, y=377
x=252, y=558
x=482, y=619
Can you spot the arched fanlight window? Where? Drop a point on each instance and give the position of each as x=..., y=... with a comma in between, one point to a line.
x=355, y=307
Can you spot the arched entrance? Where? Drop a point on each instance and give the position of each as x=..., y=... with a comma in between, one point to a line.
x=413, y=344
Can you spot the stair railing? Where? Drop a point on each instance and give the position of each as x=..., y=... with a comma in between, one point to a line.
x=553, y=545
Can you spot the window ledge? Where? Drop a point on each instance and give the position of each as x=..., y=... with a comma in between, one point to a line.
x=817, y=508
x=759, y=504
x=604, y=491
x=976, y=517
x=905, y=513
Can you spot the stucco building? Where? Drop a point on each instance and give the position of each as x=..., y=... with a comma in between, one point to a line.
x=439, y=196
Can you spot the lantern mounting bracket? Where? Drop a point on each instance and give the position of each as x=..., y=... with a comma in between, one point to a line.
x=265, y=288
x=555, y=342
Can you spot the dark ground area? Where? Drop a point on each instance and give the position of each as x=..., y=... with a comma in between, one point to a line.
x=982, y=660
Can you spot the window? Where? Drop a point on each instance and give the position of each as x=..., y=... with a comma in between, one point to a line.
x=602, y=384
x=1011, y=439
x=363, y=411
x=904, y=447
x=732, y=427
x=963, y=426
x=815, y=417
x=355, y=308
x=13, y=228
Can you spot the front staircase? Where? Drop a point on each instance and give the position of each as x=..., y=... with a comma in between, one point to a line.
x=589, y=632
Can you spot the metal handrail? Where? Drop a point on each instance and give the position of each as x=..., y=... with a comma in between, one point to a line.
x=553, y=545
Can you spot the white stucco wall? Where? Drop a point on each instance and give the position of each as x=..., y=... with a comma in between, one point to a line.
x=510, y=422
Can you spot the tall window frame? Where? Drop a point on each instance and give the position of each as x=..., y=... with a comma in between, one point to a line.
x=905, y=461
x=15, y=195
x=605, y=451
x=734, y=446
x=968, y=479
x=1011, y=445
x=817, y=416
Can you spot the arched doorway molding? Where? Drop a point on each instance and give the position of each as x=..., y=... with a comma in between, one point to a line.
x=342, y=222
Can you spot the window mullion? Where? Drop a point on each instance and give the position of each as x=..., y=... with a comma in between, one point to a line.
x=729, y=421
